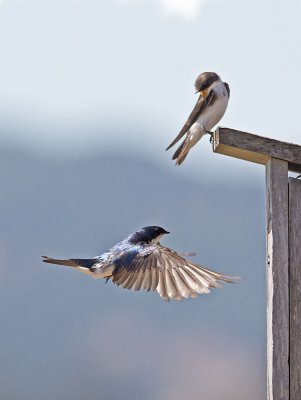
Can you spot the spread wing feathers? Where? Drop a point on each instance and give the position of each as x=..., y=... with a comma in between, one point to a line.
x=166, y=271
x=201, y=104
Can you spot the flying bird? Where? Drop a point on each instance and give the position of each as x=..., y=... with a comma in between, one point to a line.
x=208, y=111
x=141, y=262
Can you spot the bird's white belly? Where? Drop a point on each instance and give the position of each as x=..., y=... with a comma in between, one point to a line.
x=98, y=273
x=214, y=113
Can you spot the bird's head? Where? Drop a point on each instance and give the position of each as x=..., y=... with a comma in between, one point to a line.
x=205, y=81
x=148, y=234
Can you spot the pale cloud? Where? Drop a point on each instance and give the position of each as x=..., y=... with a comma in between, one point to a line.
x=183, y=8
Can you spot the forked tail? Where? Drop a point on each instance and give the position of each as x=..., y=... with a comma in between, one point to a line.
x=72, y=262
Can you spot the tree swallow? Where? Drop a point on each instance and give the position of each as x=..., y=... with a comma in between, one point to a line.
x=140, y=262
x=208, y=111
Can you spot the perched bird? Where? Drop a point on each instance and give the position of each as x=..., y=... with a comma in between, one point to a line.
x=208, y=111
x=140, y=262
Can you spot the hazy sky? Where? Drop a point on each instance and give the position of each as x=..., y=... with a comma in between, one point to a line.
x=73, y=69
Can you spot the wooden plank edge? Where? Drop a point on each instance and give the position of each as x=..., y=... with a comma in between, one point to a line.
x=259, y=157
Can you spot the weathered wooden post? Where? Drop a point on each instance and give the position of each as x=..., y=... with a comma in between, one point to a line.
x=283, y=238
x=295, y=286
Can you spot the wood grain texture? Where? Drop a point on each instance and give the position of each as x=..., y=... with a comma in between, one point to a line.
x=277, y=280
x=254, y=148
x=295, y=287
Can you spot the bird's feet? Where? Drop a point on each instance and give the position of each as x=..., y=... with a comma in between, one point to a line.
x=211, y=135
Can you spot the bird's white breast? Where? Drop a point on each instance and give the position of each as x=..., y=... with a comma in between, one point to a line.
x=157, y=239
x=214, y=113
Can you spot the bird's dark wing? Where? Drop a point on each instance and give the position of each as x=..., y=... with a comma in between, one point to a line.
x=201, y=104
x=162, y=269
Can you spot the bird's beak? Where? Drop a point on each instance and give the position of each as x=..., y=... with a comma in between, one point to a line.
x=204, y=93
x=166, y=232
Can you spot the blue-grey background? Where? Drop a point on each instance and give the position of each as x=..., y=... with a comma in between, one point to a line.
x=91, y=92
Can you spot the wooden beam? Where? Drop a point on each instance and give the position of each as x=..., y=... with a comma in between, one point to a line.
x=295, y=286
x=277, y=280
x=254, y=148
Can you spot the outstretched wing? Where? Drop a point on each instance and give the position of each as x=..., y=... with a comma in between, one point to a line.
x=201, y=104
x=162, y=269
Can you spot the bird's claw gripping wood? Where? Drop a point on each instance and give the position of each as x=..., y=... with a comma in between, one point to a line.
x=211, y=136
